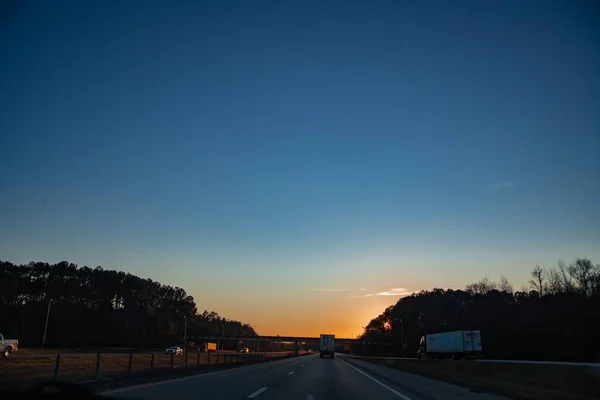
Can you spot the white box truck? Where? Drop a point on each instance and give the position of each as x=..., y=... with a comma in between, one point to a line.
x=326, y=345
x=456, y=344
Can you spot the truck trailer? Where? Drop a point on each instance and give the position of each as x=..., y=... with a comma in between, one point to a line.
x=456, y=344
x=206, y=347
x=326, y=345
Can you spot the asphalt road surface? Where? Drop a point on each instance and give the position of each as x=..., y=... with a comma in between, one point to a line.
x=302, y=378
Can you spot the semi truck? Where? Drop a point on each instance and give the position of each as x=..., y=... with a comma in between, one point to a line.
x=326, y=345
x=455, y=344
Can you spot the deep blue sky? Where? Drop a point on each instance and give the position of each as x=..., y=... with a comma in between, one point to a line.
x=259, y=149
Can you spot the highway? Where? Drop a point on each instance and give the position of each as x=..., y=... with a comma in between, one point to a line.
x=301, y=378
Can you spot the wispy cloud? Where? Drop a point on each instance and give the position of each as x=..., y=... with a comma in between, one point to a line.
x=391, y=292
x=395, y=292
x=502, y=185
x=337, y=290
x=362, y=295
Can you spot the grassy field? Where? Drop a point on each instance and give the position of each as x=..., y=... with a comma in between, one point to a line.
x=30, y=367
x=517, y=381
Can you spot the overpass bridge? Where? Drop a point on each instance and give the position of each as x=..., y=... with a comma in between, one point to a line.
x=296, y=340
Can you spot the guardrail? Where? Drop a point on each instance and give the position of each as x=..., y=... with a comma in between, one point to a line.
x=565, y=363
x=91, y=367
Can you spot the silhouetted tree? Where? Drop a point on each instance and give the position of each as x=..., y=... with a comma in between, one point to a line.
x=537, y=282
x=560, y=325
x=98, y=307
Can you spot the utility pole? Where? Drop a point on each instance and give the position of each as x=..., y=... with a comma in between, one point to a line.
x=222, y=336
x=184, y=328
x=46, y=327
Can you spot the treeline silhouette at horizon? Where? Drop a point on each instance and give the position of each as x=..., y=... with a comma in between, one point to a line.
x=557, y=317
x=98, y=307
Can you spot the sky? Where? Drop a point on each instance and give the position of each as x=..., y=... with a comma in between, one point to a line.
x=301, y=165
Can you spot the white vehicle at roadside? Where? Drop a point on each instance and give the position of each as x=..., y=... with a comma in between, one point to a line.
x=455, y=344
x=174, y=351
x=8, y=346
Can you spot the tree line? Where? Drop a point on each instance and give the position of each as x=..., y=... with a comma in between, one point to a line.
x=98, y=307
x=555, y=317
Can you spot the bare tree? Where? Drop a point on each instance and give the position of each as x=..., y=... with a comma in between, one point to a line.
x=567, y=282
x=481, y=287
x=555, y=282
x=583, y=272
x=538, y=274
x=505, y=285
x=524, y=288
x=596, y=282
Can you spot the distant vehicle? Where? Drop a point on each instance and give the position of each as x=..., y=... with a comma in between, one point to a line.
x=326, y=345
x=174, y=350
x=245, y=350
x=8, y=346
x=456, y=344
x=206, y=347
x=186, y=344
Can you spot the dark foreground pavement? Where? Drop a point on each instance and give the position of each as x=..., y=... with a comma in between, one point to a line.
x=302, y=378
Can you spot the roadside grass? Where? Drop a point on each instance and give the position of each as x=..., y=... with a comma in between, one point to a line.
x=517, y=381
x=29, y=368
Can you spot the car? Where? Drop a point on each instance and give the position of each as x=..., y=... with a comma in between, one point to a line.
x=245, y=350
x=8, y=346
x=174, y=351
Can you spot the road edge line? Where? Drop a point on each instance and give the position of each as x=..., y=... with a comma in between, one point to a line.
x=144, y=385
x=257, y=393
x=185, y=378
x=387, y=387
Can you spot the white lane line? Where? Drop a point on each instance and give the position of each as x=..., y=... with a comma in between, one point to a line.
x=259, y=391
x=397, y=393
x=291, y=372
x=302, y=366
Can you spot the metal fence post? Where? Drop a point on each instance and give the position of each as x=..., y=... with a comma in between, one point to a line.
x=130, y=362
x=57, y=366
x=152, y=361
x=97, y=366
x=185, y=359
x=172, y=360
x=198, y=360
x=208, y=358
x=217, y=358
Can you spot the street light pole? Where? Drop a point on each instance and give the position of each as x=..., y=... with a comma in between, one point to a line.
x=46, y=326
x=222, y=336
x=402, y=336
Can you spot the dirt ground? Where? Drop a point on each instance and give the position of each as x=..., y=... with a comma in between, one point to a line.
x=28, y=367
